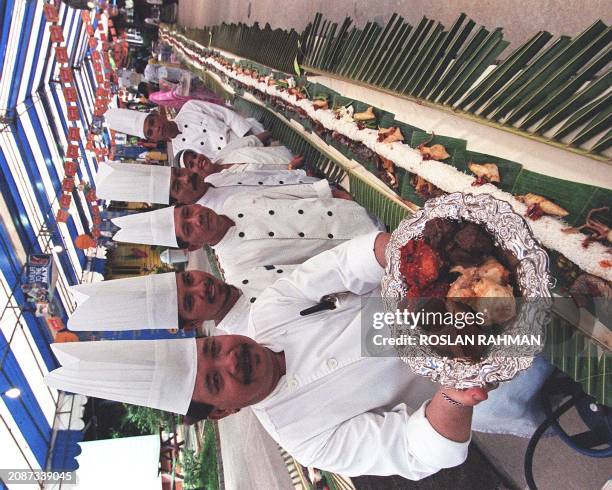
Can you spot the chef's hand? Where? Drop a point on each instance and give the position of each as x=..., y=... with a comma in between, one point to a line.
x=450, y=411
x=296, y=162
x=380, y=245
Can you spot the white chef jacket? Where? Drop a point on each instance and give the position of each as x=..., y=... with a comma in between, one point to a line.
x=206, y=127
x=215, y=197
x=288, y=225
x=251, y=175
x=250, y=150
x=334, y=409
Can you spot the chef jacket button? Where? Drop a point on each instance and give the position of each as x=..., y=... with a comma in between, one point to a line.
x=271, y=233
x=329, y=213
x=204, y=130
x=293, y=383
x=271, y=211
x=245, y=281
x=279, y=271
x=218, y=147
x=240, y=215
x=260, y=183
x=330, y=236
x=186, y=126
x=301, y=234
x=252, y=300
x=221, y=137
x=300, y=211
x=280, y=182
x=239, y=183
x=241, y=234
x=332, y=363
x=184, y=139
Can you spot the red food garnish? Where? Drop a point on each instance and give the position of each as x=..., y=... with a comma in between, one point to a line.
x=479, y=181
x=360, y=126
x=606, y=264
x=420, y=265
x=534, y=212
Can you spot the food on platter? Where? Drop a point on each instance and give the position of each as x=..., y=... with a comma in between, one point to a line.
x=390, y=135
x=388, y=168
x=454, y=266
x=424, y=188
x=485, y=172
x=539, y=205
x=435, y=152
x=599, y=231
x=320, y=104
x=367, y=115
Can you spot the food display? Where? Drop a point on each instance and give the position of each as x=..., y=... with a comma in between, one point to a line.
x=466, y=255
x=454, y=266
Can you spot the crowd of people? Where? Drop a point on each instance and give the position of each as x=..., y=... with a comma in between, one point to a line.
x=298, y=257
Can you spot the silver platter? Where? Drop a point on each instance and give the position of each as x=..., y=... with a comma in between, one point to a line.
x=511, y=233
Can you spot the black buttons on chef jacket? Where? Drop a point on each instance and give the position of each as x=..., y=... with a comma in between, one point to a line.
x=300, y=211
x=280, y=182
x=279, y=271
x=271, y=233
x=271, y=212
x=184, y=139
x=260, y=183
x=241, y=234
x=218, y=147
x=245, y=281
x=239, y=183
x=204, y=130
x=329, y=213
x=253, y=300
x=301, y=234
x=240, y=215
x=202, y=143
x=330, y=236
x=221, y=138
x=186, y=126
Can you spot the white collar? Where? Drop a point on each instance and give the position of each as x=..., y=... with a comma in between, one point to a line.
x=237, y=319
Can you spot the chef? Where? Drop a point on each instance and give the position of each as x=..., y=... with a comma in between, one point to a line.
x=244, y=152
x=280, y=227
x=170, y=301
x=170, y=185
x=303, y=376
x=199, y=125
x=251, y=171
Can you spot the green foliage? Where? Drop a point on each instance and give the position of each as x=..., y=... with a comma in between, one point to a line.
x=190, y=465
x=208, y=459
x=147, y=420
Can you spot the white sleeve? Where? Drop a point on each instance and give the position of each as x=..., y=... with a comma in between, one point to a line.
x=235, y=121
x=349, y=267
x=398, y=444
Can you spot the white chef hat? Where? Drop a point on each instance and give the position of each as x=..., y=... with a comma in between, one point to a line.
x=150, y=228
x=135, y=303
x=133, y=182
x=126, y=121
x=179, y=159
x=152, y=373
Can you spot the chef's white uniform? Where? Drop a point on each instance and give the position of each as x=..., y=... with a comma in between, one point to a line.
x=286, y=226
x=215, y=197
x=207, y=128
x=334, y=409
x=258, y=176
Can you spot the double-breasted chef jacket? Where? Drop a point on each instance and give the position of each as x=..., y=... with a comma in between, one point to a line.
x=287, y=225
x=334, y=409
x=215, y=197
x=207, y=128
x=251, y=284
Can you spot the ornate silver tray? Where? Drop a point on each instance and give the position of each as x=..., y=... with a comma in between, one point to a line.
x=511, y=233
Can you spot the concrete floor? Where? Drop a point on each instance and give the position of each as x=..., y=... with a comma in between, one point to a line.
x=520, y=19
